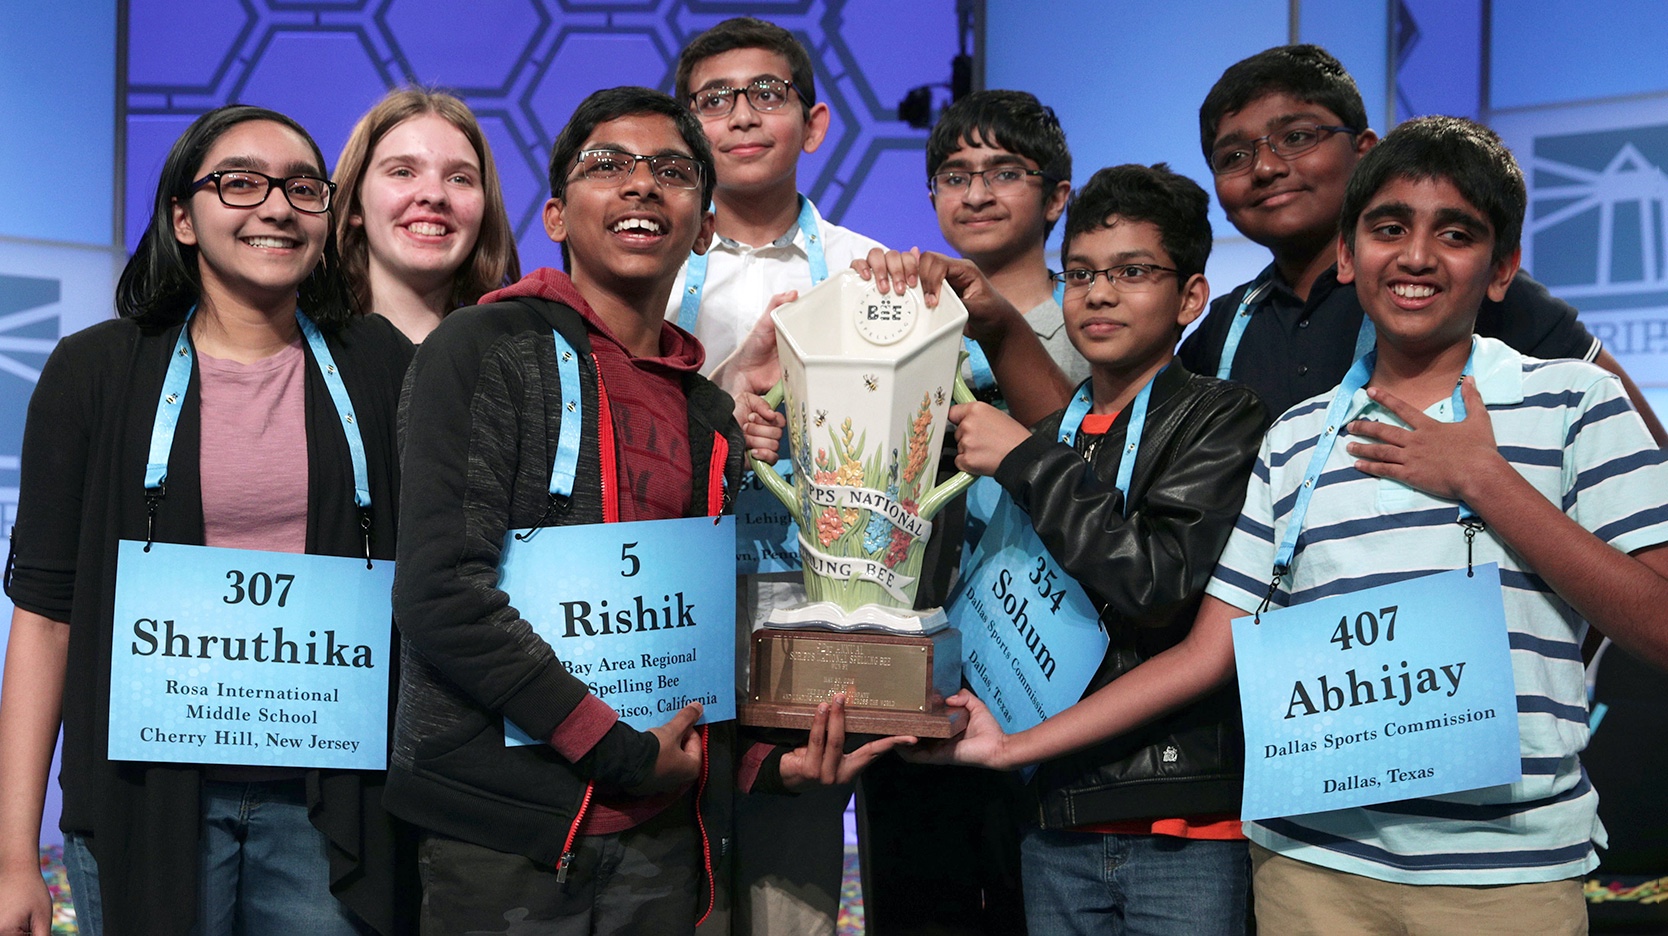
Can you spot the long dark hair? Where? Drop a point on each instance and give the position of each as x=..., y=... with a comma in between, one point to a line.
x=160, y=282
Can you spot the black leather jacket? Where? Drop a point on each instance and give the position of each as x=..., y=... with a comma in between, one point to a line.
x=1146, y=573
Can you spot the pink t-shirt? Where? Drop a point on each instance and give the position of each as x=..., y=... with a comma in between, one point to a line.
x=254, y=451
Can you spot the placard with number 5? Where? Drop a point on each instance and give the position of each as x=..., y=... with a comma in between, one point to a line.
x=642, y=612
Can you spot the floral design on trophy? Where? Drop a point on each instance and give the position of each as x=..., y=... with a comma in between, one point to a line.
x=864, y=378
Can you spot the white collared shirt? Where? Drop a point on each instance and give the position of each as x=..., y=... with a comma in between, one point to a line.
x=741, y=279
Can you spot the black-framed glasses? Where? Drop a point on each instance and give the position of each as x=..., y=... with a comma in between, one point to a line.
x=612, y=167
x=1130, y=276
x=762, y=94
x=1291, y=140
x=246, y=188
x=999, y=180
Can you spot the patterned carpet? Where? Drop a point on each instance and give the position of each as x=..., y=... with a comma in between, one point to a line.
x=63, y=911
x=851, y=896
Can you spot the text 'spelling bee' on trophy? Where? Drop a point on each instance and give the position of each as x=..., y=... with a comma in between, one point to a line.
x=868, y=379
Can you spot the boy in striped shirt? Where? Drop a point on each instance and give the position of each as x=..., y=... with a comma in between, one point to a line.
x=1569, y=488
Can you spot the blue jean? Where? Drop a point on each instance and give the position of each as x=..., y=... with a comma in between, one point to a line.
x=1133, y=885
x=262, y=868
x=82, y=870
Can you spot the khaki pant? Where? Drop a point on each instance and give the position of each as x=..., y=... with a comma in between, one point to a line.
x=1293, y=898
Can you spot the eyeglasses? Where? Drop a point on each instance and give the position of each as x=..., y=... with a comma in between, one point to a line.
x=1130, y=276
x=998, y=181
x=1292, y=140
x=612, y=167
x=763, y=94
x=245, y=188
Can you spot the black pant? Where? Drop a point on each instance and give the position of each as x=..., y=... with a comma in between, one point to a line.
x=940, y=850
x=643, y=880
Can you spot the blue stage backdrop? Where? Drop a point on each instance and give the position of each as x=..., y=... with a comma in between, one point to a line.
x=523, y=65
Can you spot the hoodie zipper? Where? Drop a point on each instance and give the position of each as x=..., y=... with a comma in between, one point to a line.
x=566, y=861
x=605, y=442
x=718, y=490
x=718, y=497
x=701, y=824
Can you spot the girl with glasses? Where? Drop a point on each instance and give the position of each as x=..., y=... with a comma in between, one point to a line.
x=235, y=403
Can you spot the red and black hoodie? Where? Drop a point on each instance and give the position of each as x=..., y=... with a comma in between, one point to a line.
x=479, y=423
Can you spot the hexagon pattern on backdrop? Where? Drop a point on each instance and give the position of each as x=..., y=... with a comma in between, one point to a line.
x=523, y=65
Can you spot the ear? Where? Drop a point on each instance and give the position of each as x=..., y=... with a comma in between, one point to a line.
x=555, y=225
x=184, y=231
x=1195, y=299
x=355, y=219
x=816, y=126
x=1055, y=205
x=1502, y=274
x=1346, y=262
x=1364, y=141
x=703, y=237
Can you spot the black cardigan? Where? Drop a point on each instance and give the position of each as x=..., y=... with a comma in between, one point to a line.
x=84, y=453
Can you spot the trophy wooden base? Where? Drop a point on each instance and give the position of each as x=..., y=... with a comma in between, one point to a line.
x=893, y=684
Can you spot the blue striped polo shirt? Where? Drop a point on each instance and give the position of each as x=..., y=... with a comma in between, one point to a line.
x=1568, y=428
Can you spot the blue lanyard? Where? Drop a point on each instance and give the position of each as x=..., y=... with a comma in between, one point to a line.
x=1248, y=306
x=1336, y=415
x=979, y=363
x=562, y=474
x=566, y=468
x=1081, y=403
x=695, y=272
x=173, y=398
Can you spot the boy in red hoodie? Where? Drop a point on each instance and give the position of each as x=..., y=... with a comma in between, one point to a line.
x=602, y=828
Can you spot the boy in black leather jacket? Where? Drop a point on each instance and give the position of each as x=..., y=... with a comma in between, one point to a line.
x=1158, y=804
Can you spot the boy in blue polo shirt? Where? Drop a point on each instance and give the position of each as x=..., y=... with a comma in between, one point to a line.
x=1568, y=486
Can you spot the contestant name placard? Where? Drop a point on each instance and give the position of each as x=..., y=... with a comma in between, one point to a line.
x=1031, y=640
x=233, y=656
x=767, y=534
x=1389, y=693
x=643, y=612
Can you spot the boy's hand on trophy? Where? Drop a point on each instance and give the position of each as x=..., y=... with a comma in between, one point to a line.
x=984, y=436
x=761, y=426
x=988, y=313
x=679, y=760
x=982, y=744
x=753, y=366
x=824, y=760
x=890, y=270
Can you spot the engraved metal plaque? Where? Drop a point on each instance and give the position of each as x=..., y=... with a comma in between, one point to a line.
x=893, y=684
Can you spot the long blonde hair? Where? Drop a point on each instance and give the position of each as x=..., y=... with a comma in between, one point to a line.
x=493, y=261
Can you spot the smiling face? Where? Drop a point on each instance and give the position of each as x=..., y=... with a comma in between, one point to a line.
x=421, y=203
x=256, y=256
x=756, y=151
x=1422, y=265
x=1125, y=332
x=630, y=235
x=1283, y=203
x=988, y=227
